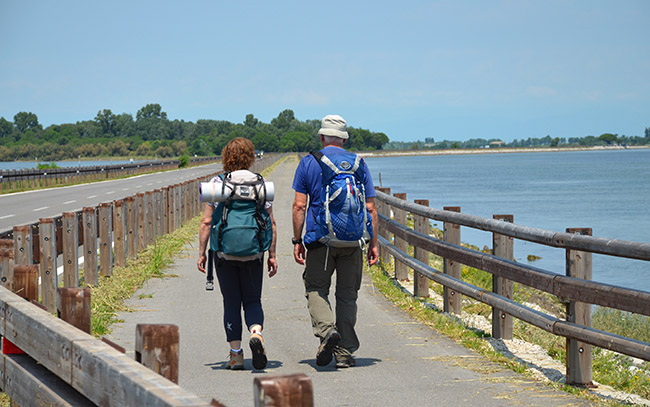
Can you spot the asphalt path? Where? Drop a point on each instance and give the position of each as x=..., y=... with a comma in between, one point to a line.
x=401, y=362
x=27, y=207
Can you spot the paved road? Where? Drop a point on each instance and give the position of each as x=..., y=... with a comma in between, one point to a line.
x=400, y=363
x=27, y=207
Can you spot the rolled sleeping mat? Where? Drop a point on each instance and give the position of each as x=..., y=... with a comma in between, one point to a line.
x=218, y=192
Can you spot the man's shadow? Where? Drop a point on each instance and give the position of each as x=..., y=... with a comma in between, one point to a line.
x=361, y=362
x=248, y=365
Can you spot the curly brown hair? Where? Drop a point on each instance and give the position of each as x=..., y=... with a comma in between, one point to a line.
x=238, y=154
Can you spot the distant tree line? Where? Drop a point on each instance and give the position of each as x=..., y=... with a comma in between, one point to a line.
x=606, y=139
x=151, y=134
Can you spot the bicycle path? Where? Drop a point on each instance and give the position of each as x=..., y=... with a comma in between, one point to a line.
x=401, y=362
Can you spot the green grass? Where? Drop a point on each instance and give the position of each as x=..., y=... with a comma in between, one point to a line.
x=107, y=299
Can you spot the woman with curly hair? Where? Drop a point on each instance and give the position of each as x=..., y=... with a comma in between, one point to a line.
x=240, y=278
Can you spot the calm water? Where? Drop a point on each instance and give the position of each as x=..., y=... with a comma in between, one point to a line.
x=608, y=191
x=23, y=165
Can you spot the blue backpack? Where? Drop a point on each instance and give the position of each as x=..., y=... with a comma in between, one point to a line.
x=343, y=219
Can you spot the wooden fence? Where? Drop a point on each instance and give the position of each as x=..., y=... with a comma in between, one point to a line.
x=18, y=180
x=575, y=289
x=63, y=364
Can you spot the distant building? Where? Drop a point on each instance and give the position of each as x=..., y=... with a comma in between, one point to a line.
x=497, y=144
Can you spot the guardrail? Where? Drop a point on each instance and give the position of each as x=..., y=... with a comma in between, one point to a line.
x=63, y=364
x=14, y=180
x=575, y=289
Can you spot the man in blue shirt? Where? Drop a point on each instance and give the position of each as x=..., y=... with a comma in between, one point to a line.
x=337, y=335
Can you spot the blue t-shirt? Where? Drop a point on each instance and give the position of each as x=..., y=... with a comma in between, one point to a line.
x=308, y=180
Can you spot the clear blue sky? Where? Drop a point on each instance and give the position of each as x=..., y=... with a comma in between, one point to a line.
x=412, y=69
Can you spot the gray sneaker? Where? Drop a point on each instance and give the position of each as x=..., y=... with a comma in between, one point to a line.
x=324, y=354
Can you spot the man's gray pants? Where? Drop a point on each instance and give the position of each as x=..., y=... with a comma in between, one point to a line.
x=319, y=267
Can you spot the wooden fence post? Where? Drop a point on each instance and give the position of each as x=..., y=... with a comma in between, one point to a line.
x=502, y=246
x=118, y=233
x=73, y=306
x=149, y=211
x=131, y=224
x=178, y=202
x=578, y=354
x=70, y=249
x=156, y=347
x=421, y=224
x=91, y=276
x=158, y=219
x=294, y=390
x=26, y=281
x=142, y=225
x=48, y=263
x=23, y=252
x=401, y=271
x=384, y=209
x=165, y=210
x=451, y=298
x=106, y=238
x=6, y=263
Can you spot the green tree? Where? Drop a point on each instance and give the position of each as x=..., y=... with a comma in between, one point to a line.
x=285, y=120
x=6, y=127
x=152, y=110
x=555, y=142
x=609, y=138
x=105, y=120
x=251, y=121
x=25, y=121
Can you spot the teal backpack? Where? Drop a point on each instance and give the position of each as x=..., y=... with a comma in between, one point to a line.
x=241, y=227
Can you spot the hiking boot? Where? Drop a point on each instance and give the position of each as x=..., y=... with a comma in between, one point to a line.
x=343, y=362
x=236, y=360
x=259, y=351
x=324, y=354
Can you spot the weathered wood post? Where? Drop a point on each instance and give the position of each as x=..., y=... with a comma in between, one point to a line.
x=502, y=246
x=105, y=213
x=178, y=202
x=578, y=354
x=73, y=306
x=184, y=200
x=451, y=298
x=158, y=226
x=48, y=263
x=384, y=209
x=294, y=390
x=118, y=233
x=149, y=214
x=91, y=277
x=131, y=224
x=421, y=225
x=70, y=249
x=142, y=225
x=26, y=281
x=23, y=251
x=6, y=263
x=165, y=210
x=156, y=347
x=401, y=271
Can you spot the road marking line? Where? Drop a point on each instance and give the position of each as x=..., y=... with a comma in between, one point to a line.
x=138, y=186
x=69, y=202
x=6, y=216
x=110, y=192
x=92, y=196
x=151, y=183
x=40, y=209
x=125, y=189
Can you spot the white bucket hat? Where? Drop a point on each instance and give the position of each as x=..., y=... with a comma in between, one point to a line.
x=333, y=125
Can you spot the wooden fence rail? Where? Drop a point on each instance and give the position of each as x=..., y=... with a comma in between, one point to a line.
x=65, y=365
x=574, y=289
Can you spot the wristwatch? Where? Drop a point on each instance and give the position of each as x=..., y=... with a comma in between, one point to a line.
x=295, y=241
